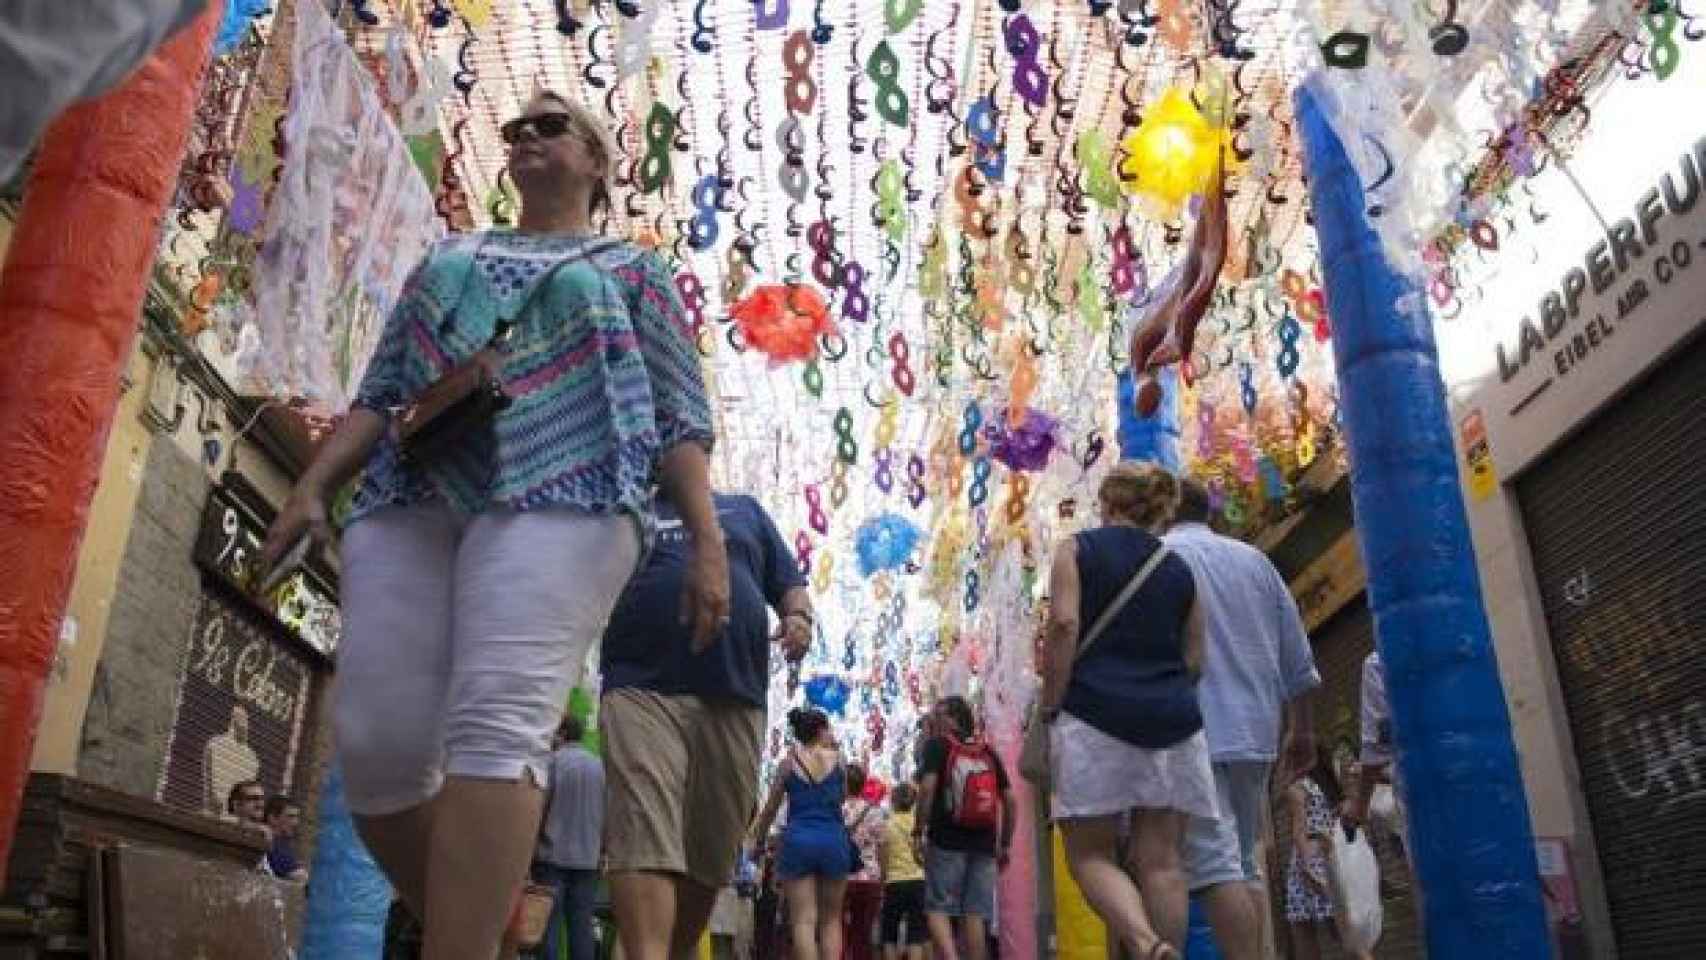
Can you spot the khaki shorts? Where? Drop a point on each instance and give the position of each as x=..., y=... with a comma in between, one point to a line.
x=681, y=781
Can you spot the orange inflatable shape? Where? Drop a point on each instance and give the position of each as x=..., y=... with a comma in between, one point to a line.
x=71, y=293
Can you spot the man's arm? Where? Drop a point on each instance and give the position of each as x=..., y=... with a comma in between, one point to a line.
x=794, y=629
x=1298, y=673
x=785, y=588
x=921, y=821
x=1298, y=752
x=1376, y=757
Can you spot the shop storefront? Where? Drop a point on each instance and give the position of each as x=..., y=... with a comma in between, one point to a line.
x=174, y=682
x=1583, y=457
x=1619, y=560
x=251, y=681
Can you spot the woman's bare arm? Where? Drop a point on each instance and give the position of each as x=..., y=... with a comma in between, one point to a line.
x=343, y=455
x=1061, y=642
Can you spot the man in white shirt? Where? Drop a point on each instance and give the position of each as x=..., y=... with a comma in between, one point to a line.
x=1257, y=670
x=1377, y=752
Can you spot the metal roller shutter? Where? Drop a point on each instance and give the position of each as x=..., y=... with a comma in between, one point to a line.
x=245, y=701
x=1616, y=519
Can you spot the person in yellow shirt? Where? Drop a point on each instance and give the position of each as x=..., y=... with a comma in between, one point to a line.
x=903, y=881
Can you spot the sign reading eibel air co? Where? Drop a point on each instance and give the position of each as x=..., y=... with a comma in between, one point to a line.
x=1636, y=292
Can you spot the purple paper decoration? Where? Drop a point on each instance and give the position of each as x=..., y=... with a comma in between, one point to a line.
x=1026, y=447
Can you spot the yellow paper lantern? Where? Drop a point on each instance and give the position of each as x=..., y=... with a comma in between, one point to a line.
x=1172, y=154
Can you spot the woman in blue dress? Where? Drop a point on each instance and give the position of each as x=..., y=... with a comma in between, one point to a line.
x=815, y=860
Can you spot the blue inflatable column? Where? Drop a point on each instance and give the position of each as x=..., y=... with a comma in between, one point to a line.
x=1473, y=847
x=348, y=897
x=1154, y=438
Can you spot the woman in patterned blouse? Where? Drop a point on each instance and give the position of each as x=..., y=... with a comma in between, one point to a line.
x=472, y=588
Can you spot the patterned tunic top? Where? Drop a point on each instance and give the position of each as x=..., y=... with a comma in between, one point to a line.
x=866, y=823
x=602, y=368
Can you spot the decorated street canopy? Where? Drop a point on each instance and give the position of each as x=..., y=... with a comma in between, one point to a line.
x=914, y=240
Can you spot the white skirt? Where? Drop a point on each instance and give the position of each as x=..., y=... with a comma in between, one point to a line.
x=1096, y=775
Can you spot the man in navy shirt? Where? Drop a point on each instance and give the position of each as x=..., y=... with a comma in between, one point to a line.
x=683, y=731
x=284, y=819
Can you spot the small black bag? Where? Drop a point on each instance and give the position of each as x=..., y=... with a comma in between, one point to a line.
x=457, y=413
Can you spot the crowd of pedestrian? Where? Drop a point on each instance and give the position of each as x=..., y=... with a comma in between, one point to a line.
x=489, y=544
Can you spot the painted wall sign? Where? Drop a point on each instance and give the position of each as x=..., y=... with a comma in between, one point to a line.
x=228, y=547
x=1329, y=582
x=243, y=703
x=1483, y=480
x=1637, y=292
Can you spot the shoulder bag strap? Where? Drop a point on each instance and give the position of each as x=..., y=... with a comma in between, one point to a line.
x=860, y=818
x=1126, y=593
x=505, y=328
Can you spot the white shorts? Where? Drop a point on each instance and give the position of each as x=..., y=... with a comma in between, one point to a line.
x=1096, y=775
x=462, y=639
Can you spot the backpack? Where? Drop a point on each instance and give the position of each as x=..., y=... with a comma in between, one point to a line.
x=973, y=789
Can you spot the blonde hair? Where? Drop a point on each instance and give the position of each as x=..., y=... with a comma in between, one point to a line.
x=589, y=125
x=1143, y=493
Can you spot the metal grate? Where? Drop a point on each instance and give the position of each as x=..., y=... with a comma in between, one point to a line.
x=245, y=700
x=1616, y=522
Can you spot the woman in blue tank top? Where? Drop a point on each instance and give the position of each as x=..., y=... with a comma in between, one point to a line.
x=815, y=859
x=1126, y=733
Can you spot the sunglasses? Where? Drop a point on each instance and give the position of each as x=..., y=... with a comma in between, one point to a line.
x=545, y=126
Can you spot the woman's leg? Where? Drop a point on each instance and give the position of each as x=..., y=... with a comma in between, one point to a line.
x=890, y=926
x=864, y=906
x=831, y=899
x=1155, y=842
x=393, y=676
x=1092, y=856
x=533, y=591
x=801, y=893
x=1305, y=945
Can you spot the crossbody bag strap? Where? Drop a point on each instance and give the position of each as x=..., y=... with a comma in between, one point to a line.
x=860, y=818
x=1126, y=593
x=506, y=328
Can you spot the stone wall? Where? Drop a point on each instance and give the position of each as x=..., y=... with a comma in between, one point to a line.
x=132, y=703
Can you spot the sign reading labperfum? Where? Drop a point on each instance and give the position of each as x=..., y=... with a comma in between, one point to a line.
x=1635, y=293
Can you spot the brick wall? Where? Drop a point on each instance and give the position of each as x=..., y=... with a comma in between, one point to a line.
x=132, y=702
